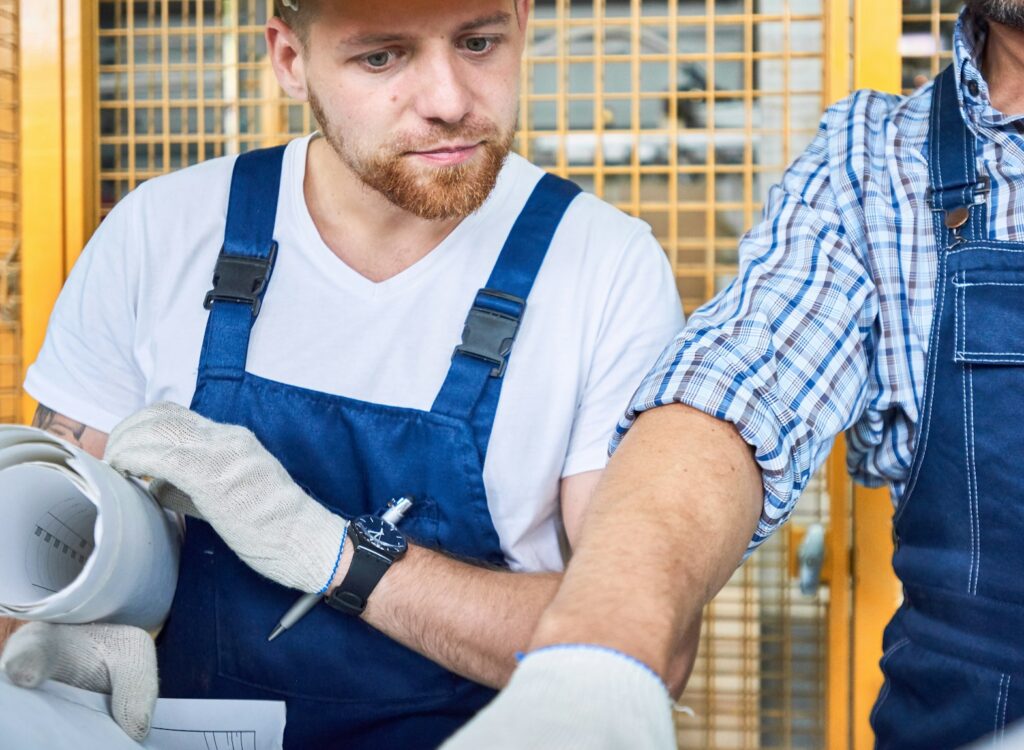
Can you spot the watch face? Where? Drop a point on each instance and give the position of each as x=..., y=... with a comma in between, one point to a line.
x=381, y=535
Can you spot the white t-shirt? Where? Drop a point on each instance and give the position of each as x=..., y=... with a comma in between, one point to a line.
x=128, y=326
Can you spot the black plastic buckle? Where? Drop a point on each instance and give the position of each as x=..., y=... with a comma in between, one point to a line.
x=239, y=278
x=489, y=334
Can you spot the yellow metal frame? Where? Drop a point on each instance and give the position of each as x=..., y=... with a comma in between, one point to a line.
x=57, y=127
x=80, y=126
x=42, y=197
x=10, y=214
x=837, y=563
x=876, y=591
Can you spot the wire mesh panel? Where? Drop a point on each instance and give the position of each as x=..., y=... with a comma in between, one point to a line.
x=697, y=107
x=180, y=81
x=10, y=344
x=760, y=679
x=681, y=112
x=926, y=44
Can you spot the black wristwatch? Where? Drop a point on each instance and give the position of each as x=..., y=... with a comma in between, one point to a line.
x=378, y=543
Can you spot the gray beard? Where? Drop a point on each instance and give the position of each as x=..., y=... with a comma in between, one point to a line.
x=1007, y=12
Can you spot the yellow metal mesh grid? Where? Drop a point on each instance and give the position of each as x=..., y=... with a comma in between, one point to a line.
x=10, y=344
x=680, y=112
x=697, y=107
x=760, y=679
x=926, y=44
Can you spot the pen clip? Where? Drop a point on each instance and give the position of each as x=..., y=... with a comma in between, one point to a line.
x=396, y=509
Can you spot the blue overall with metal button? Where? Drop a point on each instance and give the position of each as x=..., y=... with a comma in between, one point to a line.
x=954, y=653
x=346, y=685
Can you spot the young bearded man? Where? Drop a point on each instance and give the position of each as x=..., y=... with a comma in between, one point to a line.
x=409, y=250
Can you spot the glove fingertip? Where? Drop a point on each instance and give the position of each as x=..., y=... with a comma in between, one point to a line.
x=29, y=656
x=29, y=669
x=138, y=730
x=134, y=713
x=135, y=684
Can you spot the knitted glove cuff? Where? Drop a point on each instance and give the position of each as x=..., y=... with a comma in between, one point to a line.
x=614, y=665
x=575, y=697
x=317, y=555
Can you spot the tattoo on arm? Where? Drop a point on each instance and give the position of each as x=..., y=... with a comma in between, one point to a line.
x=49, y=420
x=91, y=440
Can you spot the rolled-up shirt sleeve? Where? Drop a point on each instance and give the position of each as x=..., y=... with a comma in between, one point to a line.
x=783, y=352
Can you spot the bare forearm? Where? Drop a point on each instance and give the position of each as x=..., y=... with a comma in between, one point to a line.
x=470, y=620
x=670, y=522
x=76, y=433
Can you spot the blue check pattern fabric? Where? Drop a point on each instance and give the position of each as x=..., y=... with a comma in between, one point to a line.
x=826, y=326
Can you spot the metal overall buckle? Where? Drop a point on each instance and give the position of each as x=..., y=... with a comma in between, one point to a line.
x=240, y=278
x=956, y=217
x=489, y=332
x=981, y=190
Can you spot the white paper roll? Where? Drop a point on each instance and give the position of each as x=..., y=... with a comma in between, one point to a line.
x=79, y=542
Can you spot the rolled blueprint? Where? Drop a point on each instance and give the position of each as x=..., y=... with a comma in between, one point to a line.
x=79, y=542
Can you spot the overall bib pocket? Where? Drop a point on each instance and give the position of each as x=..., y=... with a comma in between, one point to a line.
x=989, y=326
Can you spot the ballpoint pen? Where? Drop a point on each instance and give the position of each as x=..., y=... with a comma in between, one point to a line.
x=396, y=510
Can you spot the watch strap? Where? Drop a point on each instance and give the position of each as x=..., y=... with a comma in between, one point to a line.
x=365, y=572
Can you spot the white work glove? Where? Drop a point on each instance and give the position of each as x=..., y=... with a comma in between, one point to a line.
x=115, y=659
x=574, y=697
x=237, y=486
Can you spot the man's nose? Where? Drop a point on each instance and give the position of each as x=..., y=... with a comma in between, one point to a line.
x=443, y=90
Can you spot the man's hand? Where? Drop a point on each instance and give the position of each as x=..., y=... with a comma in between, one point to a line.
x=115, y=659
x=574, y=697
x=237, y=486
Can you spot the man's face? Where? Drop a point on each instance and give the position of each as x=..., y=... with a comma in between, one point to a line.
x=419, y=98
x=1007, y=12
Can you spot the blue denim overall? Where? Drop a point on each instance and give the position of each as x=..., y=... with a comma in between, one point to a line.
x=954, y=653
x=346, y=685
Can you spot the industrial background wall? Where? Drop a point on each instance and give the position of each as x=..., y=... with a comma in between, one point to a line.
x=681, y=112
x=10, y=340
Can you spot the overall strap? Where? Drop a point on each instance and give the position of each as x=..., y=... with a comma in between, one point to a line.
x=473, y=385
x=953, y=171
x=245, y=264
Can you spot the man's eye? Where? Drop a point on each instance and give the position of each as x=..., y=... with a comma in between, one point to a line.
x=378, y=59
x=478, y=44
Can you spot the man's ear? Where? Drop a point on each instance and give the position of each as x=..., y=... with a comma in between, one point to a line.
x=522, y=12
x=285, y=51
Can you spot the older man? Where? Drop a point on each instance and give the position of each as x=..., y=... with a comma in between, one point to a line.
x=881, y=294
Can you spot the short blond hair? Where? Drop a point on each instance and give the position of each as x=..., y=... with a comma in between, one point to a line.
x=297, y=14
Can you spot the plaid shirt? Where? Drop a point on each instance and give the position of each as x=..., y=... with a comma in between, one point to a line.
x=826, y=326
